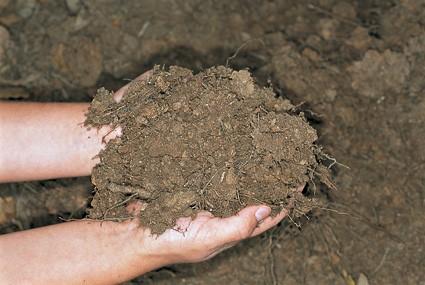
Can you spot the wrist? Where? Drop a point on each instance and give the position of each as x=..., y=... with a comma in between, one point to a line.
x=139, y=247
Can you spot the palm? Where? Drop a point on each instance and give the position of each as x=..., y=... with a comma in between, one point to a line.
x=206, y=235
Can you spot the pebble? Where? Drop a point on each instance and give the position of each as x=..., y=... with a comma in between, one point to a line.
x=362, y=280
x=327, y=28
x=344, y=10
x=79, y=60
x=311, y=54
x=360, y=39
x=25, y=8
x=73, y=6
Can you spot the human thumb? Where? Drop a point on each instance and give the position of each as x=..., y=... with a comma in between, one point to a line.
x=241, y=225
x=262, y=212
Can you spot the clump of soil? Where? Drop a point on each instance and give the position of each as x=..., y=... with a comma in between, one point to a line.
x=212, y=141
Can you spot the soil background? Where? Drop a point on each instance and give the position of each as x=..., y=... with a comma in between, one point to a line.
x=356, y=68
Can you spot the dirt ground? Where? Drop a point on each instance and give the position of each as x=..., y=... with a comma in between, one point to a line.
x=356, y=68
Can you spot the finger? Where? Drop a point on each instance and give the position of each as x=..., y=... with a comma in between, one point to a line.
x=110, y=133
x=269, y=223
x=120, y=93
x=136, y=207
x=205, y=214
x=241, y=225
x=300, y=188
x=182, y=224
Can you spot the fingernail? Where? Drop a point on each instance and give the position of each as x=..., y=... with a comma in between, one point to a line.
x=262, y=213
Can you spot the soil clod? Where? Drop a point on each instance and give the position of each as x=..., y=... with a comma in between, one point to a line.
x=212, y=141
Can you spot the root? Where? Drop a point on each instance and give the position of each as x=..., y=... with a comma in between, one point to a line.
x=119, y=204
x=321, y=10
x=270, y=246
x=295, y=223
x=272, y=269
x=361, y=218
x=333, y=161
x=324, y=176
x=233, y=56
x=334, y=211
x=97, y=220
x=253, y=198
x=382, y=261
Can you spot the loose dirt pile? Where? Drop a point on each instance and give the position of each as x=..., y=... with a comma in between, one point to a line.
x=212, y=141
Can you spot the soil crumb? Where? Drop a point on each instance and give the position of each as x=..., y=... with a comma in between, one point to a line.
x=212, y=141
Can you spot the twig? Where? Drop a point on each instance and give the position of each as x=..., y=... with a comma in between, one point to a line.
x=330, y=14
x=382, y=261
x=143, y=29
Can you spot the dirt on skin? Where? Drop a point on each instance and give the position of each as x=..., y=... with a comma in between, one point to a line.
x=212, y=141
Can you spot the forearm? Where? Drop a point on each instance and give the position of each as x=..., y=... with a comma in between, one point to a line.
x=46, y=140
x=80, y=252
x=49, y=140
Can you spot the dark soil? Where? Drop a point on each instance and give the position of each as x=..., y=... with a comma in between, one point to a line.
x=212, y=141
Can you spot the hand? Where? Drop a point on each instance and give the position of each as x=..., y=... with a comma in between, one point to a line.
x=205, y=236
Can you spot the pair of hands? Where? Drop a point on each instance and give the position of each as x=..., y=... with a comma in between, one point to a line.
x=95, y=252
x=205, y=236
